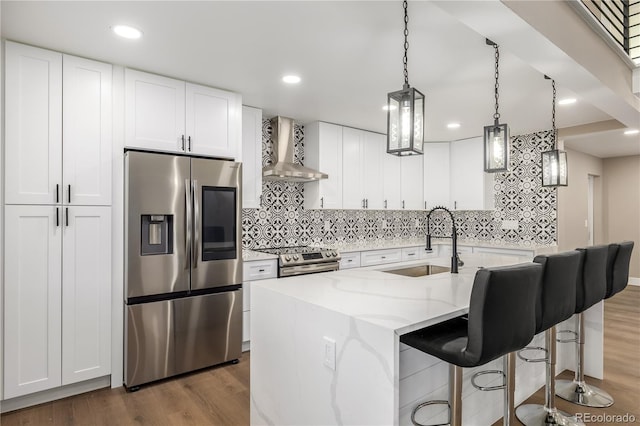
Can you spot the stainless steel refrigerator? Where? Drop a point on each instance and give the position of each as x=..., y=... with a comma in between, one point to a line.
x=183, y=265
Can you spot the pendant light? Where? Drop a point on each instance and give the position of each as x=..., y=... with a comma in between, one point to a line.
x=496, y=136
x=554, y=161
x=405, y=112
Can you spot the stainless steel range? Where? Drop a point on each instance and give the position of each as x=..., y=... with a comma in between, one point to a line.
x=304, y=260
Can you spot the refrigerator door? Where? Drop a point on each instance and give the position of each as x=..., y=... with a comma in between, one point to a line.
x=157, y=224
x=217, y=234
x=170, y=337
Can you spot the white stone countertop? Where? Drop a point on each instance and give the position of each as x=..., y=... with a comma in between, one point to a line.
x=250, y=256
x=413, y=242
x=393, y=302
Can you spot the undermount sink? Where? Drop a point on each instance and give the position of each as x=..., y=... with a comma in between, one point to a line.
x=419, y=271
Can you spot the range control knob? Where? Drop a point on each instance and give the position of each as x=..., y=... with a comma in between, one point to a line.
x=334, y=254
x=296, y=257
x=287, y=258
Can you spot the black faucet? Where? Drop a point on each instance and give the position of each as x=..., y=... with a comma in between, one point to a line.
x=455, y=260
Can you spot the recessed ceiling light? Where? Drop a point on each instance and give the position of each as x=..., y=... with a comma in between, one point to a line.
x=453, y=125
x=567, y=101
x=126, y=31
x=291, y=79
x=631, y=132
x=387, y=107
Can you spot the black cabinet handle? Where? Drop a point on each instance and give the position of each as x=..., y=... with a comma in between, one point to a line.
x=57, y=217
x=349, y=260
x=189, y=143
x=66, y=219
x=260, y=270
x=321, y=202
x=57, y=193
x=383, y=257
x=182, y=137
x=366, y=203
x=385, y=204
x=403, y=204
x=69, y=189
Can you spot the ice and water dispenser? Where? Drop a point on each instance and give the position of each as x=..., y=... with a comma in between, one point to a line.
x=157, y=234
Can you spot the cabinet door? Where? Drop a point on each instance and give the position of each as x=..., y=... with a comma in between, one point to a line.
x=87, y=132
x=33, y=120
x=251, y=157
x=214, y=121
x=436, y=175
x=373, y=148
x=154, y=112
x=352, y=169
x=32, y=279
x=412, y=182
x=323, y=151
x=469, y=184
x=391, y=184
x=86, y=293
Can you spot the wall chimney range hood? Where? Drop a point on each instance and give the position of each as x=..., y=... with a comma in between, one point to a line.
x=284, y=168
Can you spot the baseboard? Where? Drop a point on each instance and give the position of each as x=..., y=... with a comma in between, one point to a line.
x=634, y=281
x=246, y=346
x=54, y=394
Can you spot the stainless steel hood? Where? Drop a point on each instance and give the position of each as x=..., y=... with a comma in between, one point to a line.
x=285, y=169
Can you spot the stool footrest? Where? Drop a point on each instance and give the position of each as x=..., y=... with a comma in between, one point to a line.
x=489, y=388
x=533, y=348
x=427, y=403
x=574, y=339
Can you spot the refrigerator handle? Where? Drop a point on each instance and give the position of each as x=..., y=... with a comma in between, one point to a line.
x=196, y=225
x=187, y=221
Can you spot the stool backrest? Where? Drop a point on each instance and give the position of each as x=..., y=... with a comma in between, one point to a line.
x=591, y=286
x=557, y=297
x=502, y=311
x=618, y=267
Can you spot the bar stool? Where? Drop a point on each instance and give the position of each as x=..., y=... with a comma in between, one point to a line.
x=591, y=288
x=501, y=320
x=556, y=303
x=618, y=267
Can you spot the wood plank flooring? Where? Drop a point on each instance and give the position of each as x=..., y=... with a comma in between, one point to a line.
x=220, y=396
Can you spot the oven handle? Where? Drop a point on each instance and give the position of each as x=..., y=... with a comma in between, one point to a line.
x=289, y=271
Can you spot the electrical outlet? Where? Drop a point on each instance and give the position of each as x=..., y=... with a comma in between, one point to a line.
x=417, y=222
x=329, y=353
x=327, y=225
x=384, y=223
x=509, y=224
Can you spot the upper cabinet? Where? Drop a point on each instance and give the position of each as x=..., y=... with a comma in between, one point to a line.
x=436, y=175
x=362, y=169
x=251, y=157
x=391, y=182
x=323, y=151
x=41, y=120
x=412, y=182
x=164, y=114
x=471, y=187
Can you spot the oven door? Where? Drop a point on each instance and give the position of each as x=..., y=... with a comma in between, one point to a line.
x=289, y=271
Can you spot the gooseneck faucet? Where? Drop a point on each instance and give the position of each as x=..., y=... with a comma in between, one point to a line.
x=455, y=261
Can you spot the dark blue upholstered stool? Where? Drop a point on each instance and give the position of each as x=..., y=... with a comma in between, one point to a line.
x=501, y=319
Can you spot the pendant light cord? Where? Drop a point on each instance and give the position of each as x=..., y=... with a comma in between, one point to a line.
x=496, y=116
x=553, y=115
x=406, y=43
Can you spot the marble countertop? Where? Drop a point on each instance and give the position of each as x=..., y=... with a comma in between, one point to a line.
x=394, y=302
x=413, y=242
x=250, y=256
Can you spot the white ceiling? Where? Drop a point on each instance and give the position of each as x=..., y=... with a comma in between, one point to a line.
x=349, y=55
x=610, y=143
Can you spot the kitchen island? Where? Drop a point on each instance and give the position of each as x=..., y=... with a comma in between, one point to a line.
x=325, y=347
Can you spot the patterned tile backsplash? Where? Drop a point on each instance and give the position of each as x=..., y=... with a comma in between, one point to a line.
x=283, y=220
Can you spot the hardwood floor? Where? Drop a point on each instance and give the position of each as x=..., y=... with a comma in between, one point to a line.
x=220, y=396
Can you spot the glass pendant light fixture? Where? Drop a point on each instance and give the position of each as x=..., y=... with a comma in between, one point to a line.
x=496, y=136
x=554, y=161
x=405, y=112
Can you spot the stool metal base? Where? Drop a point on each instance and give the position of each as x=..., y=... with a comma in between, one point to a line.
x=582, y=394
x=538, y=415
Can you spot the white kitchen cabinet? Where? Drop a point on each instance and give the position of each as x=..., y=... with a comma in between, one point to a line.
x=445, y=249
x=362, y=169
x=471, y=187
x=57, y=305
x=86, y=293
x=374, y=149
x=33, y=125
x=391, y=182
x=436, y=175
x=379, y=257
x=251, y=157
x=253, y=271
x=412, y=182
x=506, y=252
x=350, y=260
x=32, y=299
x=86, y=134
x=58, y=144
x=323, y=152
x=412, y=253
x=165, y=114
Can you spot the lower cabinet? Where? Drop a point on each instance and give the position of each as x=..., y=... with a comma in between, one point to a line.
x=379, y=257
x=253, y=271
x=350, y=260
x=57, y=301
